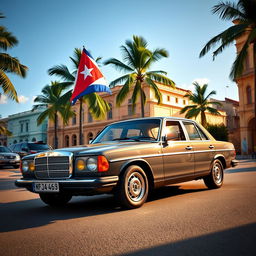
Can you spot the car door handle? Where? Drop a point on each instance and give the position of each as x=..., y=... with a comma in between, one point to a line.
x=211, y=146
x=188, y=148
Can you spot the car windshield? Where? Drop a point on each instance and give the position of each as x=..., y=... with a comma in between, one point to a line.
x=5, y=150
x=35, y=146
x=135, y=130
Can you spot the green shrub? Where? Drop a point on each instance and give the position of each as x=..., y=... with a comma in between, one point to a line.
x=218, y=131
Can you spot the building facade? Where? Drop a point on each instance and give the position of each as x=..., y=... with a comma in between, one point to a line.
x=24, y=127
x=246, y=101
x=231, y=107
x=172, y=102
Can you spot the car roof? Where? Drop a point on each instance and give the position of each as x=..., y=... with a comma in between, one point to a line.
x=157, y=117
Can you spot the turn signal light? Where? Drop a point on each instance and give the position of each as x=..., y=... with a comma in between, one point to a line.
x=103, y=164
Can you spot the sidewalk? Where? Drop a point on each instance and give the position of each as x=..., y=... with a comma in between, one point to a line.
x=243, y=157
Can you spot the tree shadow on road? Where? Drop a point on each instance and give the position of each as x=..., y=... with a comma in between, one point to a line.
x=34, y=213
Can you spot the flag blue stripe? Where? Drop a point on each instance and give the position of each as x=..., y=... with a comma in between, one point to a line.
x=91, y=89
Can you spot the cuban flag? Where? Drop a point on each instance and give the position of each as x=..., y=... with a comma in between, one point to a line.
x=89, y=78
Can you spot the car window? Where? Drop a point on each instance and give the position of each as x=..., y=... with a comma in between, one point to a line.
x=17, y=148
x=203, y=136
x=35, y=146
x=192, y=131
x=133, y=132
x=173, y=131
x=4, y=150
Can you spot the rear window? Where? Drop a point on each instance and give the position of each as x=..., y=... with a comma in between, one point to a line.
x=34, y=146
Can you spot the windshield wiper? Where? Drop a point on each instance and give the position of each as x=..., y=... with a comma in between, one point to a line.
x=146, y=137
x=126, y=138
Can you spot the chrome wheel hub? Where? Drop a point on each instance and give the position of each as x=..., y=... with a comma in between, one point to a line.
x=217, y=173
x=136, y=186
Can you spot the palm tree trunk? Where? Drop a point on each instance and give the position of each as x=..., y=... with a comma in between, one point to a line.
x=80, y=122
x=203, y=119
x=141, y=102
x=55, y=130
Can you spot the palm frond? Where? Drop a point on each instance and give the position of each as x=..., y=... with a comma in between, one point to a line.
x=118, y=65
x=61, y=71
x=213, y=111
x=7, y=86
x=160, y=79
x=193, y=113
x=228, y=11
x=225, y=38
x=120, y=80
x=238, y=65
x=157, y=93
x=7, y=40
x=5, y=131
x=124, y=91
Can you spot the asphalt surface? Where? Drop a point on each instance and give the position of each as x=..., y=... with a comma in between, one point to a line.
x=182, y=219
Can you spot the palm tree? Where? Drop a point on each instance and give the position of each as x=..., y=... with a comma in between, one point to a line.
x=200, y=103
x=4, y=131
x=137, y=61
x=244, y=14
x=55, y=101
x=9, y=64
x=97, y=106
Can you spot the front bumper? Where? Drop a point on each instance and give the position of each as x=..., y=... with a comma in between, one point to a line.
x=9, y=162
x=92, y=185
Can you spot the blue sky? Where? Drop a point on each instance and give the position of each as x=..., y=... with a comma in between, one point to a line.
x=48, y=31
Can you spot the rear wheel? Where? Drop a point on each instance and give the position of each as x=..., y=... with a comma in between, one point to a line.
x=132, y=190
x=215, y=179
x=56, y=199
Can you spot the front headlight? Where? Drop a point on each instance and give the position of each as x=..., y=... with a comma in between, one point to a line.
x=25, y=166
x=80, y=165
x=28, y=166
x=91, y=164
x=17, y=157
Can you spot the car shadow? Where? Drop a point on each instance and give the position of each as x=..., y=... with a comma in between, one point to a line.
x=34, y=213
x=232, y=170
x=235, y=241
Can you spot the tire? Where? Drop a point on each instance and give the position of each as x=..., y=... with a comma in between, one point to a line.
x=132, y=191
x=55, y=200
x=215, y=179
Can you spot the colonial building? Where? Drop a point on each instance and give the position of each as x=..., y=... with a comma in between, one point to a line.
x=172, y=102
x=246, y=98
x=24, y=127
x=231, y=108
x=3, y=138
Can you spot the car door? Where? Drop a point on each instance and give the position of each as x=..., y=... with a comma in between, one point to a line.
x=177, y=152
x=203, y=147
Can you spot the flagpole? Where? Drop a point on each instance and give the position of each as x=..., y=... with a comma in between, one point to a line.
x=80, y=121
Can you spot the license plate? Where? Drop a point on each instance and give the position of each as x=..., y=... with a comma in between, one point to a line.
x=46, y=187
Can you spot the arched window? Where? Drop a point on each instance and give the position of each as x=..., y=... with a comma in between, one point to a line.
x=89, y=117
x=89, y=136
x=74, y=119
x=74, y=140
x=110, y=113
x=34, y=139
x=249, y=94
x=66, y=141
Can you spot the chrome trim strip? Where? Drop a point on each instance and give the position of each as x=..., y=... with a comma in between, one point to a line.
x=168, y=154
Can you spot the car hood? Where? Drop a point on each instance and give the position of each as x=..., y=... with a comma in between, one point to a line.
x=8, y=154
x=101, y=148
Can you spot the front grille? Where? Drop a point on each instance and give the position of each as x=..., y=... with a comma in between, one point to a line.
x=53, y=166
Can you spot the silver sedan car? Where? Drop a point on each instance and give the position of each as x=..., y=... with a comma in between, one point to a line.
x=8, y=158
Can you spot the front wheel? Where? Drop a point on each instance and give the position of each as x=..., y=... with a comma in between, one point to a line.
x=215, y=178
x=132, y=190
x=56, y=199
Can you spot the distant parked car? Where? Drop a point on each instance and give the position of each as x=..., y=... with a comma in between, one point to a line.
x=27, y=148
x=7, y=157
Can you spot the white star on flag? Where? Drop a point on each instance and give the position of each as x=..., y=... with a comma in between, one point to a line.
x=86, y=72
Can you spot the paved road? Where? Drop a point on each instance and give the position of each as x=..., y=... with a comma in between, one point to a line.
x=183, y=219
